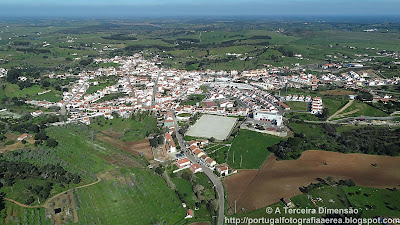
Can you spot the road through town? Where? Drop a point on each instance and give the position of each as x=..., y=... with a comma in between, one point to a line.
x=207, y=171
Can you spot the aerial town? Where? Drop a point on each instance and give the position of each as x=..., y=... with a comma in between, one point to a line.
x=201, y=121
x=147, y=86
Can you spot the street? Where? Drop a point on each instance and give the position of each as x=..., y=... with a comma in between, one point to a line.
x=207, y=171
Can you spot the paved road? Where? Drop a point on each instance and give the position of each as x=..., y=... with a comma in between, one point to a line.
x=350, y=119
x=63, y=110
x=155, y=89
x=207, y=171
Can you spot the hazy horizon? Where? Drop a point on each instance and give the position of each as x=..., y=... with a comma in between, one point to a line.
x=160, y=8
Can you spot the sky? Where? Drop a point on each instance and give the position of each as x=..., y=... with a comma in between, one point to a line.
x=135, y=8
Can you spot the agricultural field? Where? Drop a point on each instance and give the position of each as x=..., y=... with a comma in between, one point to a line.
x=311, y=165
x=337, y=197
x=130, y=196
x=19, y=215
x=249, y=149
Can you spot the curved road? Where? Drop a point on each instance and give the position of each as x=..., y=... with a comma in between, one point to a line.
x=207, y=171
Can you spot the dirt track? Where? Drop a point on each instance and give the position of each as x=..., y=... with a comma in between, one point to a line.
x=341, y=110
x=276, y=179
x=46, y=204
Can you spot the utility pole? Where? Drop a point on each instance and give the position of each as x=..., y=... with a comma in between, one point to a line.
x=241, y=158
x=235, y=206
x=233, y=157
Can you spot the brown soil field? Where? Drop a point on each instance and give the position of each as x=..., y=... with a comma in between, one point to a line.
x=337, y=92
x=133, y=147
x=279, y=179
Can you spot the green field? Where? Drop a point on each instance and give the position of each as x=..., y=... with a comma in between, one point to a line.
x=221, y=155
x=250, y=147
x=52, y=96
x=359, y=108
x=298, y=106
x=193, y=99
x=373, y=201
x=128, y=192
x=184, y=115
x=378, y=202
x=196, y=191
x=12, y=90
x=135, y=196
x=93, y=88
x=129, y=129
x=333, y=104
x=19, y=215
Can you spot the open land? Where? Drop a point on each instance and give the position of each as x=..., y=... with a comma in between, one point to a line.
x=278, y=179
x=141, y=147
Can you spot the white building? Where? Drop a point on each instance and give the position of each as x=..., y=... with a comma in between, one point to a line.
x=267, y=115
x=316, y=106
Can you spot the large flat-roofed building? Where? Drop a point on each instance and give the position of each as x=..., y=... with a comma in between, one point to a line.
x=267, y=115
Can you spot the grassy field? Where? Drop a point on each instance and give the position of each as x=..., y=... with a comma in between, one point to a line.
x=134, y=196
x=129, y=129
x=298, y=106
x=250, y=147
x=12, y=90
x=193, y=99
x=184, y=115
x=52, y=96
x=374, y=202
x=128, y=190
x=185, y=187
x=359, y=108
x=18, y=215
x=220, y=155
x=93, y=88
x=333, y=104
x=383, y=201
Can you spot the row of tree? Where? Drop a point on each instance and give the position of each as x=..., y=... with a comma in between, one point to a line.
x=368, y=140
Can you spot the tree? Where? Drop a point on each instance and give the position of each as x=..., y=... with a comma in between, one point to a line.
x=365, y=96
x=212, y=206
x=51, y=143
x=160, y=169
x=12, y=75
x=198, y=188
x=41, y=136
